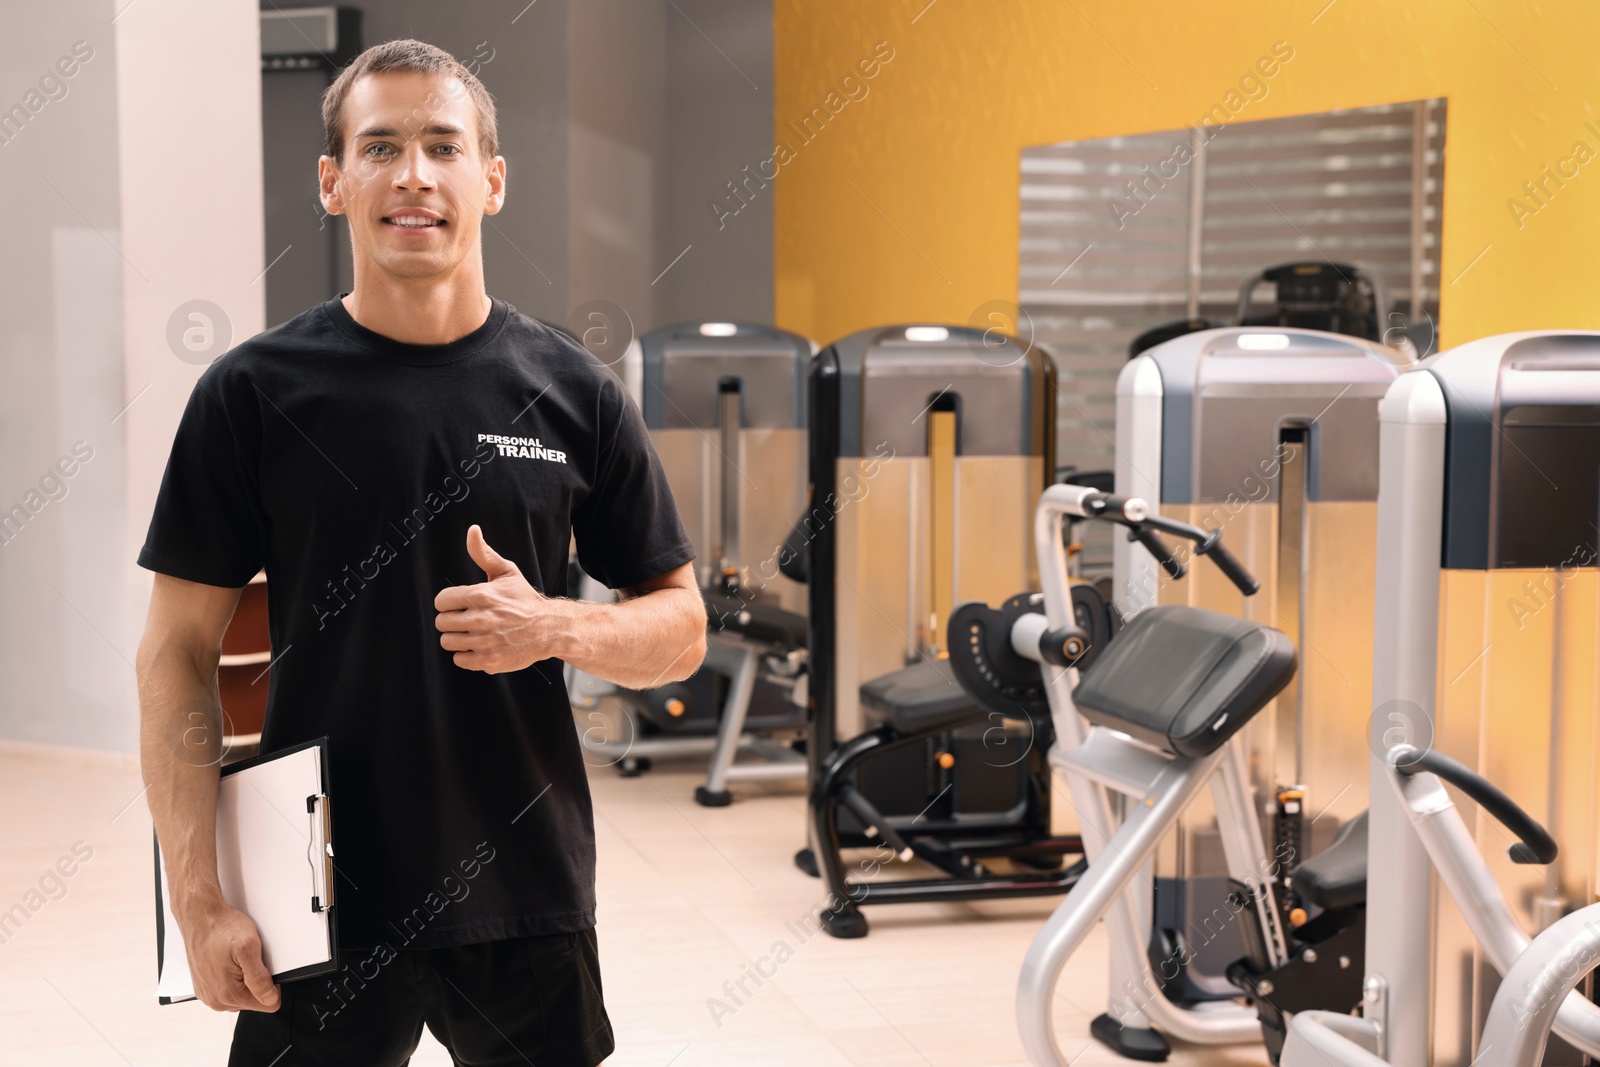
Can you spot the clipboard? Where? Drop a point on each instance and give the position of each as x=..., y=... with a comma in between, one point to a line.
x=275, y=864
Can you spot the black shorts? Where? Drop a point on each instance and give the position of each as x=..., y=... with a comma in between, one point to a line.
x=526, y=1000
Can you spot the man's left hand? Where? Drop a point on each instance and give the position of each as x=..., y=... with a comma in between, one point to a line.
x=502, y=624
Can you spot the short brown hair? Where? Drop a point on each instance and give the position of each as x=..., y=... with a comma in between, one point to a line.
x=407, y=56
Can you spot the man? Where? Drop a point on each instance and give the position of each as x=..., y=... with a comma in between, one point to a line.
x=376, y=455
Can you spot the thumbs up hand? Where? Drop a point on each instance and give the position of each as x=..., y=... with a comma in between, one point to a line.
x=501, y=624
x=491, y=562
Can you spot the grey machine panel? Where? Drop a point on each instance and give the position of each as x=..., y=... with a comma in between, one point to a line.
x=1490, y=466
x=1522, y=476
x=1271, y=433
x=684, y=367
x=726, y=407
x=1226, y=394
x=906, y=376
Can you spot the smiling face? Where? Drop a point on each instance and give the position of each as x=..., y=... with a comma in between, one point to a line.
x=413, y=180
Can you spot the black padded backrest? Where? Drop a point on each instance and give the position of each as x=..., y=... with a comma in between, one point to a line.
x=1185, y=679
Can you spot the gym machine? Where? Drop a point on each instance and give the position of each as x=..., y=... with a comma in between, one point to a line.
x=1332, y=297
x=1335, y=297
x=1160, y=335
x=1158, y=734
x=1167, y=696
x=929, y=445
x=1488, y=606
x=725, y=404
x=1271, y=435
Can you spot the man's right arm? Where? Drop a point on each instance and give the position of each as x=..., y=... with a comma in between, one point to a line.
x=180, y=743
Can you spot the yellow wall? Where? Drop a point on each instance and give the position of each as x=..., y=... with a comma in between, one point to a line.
x=904, y=206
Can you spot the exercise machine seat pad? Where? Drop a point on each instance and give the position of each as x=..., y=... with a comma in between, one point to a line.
x=920, y=698
x=759, y=622
x=1336, y=877
x=1184, y=679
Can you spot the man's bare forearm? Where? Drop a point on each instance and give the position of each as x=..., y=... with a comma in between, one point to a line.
x=639, y=642
x=180, y=745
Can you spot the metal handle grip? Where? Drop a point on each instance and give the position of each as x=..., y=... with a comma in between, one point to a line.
x=1228, y=564
x=1125, y=509
x=1157, y=548
x=1535, y=846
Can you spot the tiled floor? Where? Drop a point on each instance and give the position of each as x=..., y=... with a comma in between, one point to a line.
x=689, y=897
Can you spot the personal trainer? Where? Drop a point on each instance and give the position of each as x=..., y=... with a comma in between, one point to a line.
x=357, y=453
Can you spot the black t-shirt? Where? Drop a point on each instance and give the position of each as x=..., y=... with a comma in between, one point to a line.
x=350, y=466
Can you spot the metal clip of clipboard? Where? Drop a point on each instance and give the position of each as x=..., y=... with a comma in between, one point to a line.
x=319, y=809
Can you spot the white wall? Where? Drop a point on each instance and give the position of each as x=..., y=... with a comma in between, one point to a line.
x=63, y=636
x=189, y=140
x=137, y=189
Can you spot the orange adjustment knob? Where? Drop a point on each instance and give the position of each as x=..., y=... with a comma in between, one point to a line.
x=946, y=760
x=1297, y=917
x=676, y=707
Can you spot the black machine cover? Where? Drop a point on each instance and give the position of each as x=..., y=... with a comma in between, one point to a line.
x=1336, y=877
x=1185, y=679
x=784, y=630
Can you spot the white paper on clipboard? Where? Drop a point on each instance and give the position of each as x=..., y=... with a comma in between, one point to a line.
x=274, y=864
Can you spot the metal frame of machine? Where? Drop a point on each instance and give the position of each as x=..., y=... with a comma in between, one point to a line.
x=1117, y=756
x=935, y=391
x=1450, y=503
x=1101, y=763
x=1271, y=433
x=1452, y=430
x=694, y=377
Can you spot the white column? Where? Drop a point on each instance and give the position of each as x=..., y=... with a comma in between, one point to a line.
x=189, y=143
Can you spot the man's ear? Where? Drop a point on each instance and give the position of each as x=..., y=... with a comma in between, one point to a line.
x=328, y=176
x=494, y=179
